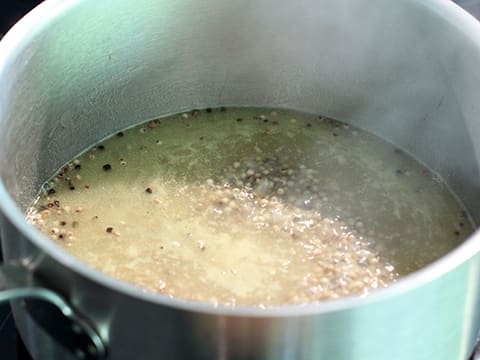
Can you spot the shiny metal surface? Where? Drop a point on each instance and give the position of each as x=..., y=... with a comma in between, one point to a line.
x=72, y=72
x=51, y=312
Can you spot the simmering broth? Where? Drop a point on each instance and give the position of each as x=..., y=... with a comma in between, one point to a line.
x=250, y=206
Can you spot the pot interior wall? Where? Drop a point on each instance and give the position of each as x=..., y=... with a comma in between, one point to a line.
x=99, y=66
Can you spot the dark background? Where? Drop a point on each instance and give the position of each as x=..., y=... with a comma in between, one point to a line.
x=10, y=12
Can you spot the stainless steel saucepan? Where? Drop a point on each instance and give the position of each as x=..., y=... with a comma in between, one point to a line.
x=74, y=71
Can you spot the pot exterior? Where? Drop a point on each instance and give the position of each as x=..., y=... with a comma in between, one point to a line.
x=436, y=321
x=405, y=70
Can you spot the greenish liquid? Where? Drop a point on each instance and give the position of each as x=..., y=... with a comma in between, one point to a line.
x=250, y=206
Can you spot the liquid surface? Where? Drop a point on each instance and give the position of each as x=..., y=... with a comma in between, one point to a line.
x=250, y=206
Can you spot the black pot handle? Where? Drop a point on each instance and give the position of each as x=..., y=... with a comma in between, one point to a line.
x=51, y=312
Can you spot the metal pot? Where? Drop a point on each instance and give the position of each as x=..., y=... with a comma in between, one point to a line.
x=72, y=72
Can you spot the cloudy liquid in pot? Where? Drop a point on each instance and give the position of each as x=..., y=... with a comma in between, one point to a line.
x=250, y=206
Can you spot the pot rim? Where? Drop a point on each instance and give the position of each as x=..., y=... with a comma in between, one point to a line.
x=33, y=22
